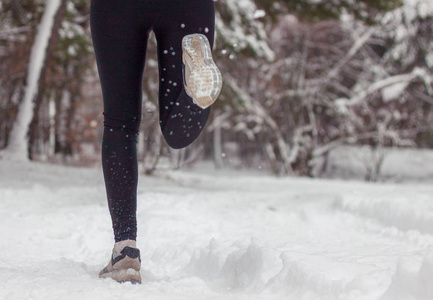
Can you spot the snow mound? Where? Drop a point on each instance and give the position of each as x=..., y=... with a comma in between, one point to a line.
x=206, y=234
x=412, y=280
x=242, y=267
x=393, y=210
x=250, y=268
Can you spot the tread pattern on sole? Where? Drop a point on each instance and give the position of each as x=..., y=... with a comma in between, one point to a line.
x=203, y=80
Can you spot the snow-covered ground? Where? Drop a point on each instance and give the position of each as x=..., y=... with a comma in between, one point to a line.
x=399, y=165
x=209, y=234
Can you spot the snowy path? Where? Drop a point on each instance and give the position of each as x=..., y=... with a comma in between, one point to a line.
x=216, y=235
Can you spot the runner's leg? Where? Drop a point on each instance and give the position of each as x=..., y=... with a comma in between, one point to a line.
x=181, y=120
x=120, y=42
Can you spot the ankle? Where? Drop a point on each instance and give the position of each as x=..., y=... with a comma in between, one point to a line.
x=125, y=243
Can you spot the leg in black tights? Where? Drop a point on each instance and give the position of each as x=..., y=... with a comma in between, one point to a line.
x=181, y=121
x=120, y=32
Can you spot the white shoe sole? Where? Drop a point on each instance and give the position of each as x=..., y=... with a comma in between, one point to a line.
x=124, y=275
x=202, y=78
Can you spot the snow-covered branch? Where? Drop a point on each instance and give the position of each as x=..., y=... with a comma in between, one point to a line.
x=359, y=42
x=13, y=33
x=342, y=104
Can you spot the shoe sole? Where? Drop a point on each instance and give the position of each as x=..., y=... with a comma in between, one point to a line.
x=126, y=270
x=123, y=275
x=202, y=78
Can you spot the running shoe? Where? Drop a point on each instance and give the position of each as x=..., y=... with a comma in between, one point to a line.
x=124, y=265
x=201, y=77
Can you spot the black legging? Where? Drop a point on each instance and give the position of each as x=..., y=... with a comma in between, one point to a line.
x=120, y=30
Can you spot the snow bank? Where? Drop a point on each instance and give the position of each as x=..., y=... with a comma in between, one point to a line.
x=216, y=234
x=412, y=280
x=400, y=165
x=394, y=210
x=241, y=268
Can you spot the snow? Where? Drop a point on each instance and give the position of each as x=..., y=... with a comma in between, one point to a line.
x=243, y=31
x=399, y=165
x=217, y=234
x=394, y=91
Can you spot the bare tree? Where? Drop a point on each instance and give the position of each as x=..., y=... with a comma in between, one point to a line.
x=17, y=147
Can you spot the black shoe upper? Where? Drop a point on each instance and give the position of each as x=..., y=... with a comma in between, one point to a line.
x=127, y=251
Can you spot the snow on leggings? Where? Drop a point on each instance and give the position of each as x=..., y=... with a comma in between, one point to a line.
x=120, y=30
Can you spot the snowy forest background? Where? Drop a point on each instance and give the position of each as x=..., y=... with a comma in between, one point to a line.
x=301, y=78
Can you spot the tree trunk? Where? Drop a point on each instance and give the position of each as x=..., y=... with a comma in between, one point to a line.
x=217, y=143
x=17, y=148
x=43, y=80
